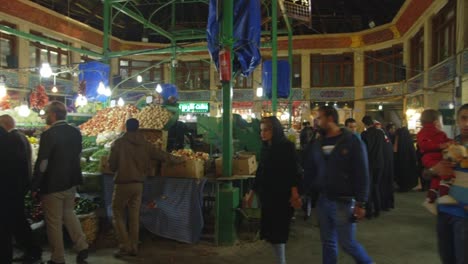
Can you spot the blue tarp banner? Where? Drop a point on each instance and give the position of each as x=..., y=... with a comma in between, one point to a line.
x=283, y=78
x=93, y=73
x=169, y=90
x=247, y=34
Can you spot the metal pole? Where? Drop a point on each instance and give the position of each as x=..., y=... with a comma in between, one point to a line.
x=291, y=74
x=227, y=44
x=274, y=60
x=107, y=18
x=174, y=45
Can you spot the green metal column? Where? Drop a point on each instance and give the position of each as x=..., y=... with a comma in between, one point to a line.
x=274, y=56
x=173, y=44
x=291, y=74
x=227, y=196
x=106, y=31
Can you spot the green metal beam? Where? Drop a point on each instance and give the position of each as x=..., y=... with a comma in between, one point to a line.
x=203, y=36
x=32, y=37
x=274, y=56
x=142, y=20
x=174, y=43
x=106, y=31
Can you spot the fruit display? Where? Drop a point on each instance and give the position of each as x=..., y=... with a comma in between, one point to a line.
x=89, y=108
x=153, y=117
x=190, y=155
x=109, y=119
x=32, y=119
x=38, y=98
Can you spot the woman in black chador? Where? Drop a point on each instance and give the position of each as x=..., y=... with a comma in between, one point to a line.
x=406, y=171
x=278, y=176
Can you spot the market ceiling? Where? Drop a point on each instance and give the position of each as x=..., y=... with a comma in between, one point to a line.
x=189, y=22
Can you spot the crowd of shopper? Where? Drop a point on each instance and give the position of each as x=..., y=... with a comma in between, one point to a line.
x=349, y=176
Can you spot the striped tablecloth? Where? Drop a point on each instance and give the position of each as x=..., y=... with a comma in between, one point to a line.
x=178, y=212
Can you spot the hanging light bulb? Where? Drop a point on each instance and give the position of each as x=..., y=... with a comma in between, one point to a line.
x=81, y=100
x=326, y=104
x=108, y=92
x=259, y=92
x=159, y=88
x=139, y=78
x=380, y=107
x=335, y=105
x=101, y=89
x=46, y=70
x=112, y=103
x=120, y=102
x=3, y=90
x=451, y=105
x=42, y=112
x=24, y=110
x=54, y=89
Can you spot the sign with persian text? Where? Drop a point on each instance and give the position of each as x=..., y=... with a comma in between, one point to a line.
x=194, y=107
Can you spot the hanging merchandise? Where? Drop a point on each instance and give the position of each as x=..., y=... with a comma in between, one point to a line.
x=246, y=34
x=94, y=73
x=284, y=87
x=38, y=98
x=5, y=102
x=169, y=91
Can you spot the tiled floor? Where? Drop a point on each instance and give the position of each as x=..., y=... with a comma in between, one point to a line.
x=404, y=235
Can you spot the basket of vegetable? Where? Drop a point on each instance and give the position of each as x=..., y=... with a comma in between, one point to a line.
x=85, y=210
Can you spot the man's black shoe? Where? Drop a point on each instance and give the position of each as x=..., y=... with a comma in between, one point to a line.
x=82, y=256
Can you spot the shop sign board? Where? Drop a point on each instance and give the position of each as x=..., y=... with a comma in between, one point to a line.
x=244, y=95
x=334, y=94
x=442, y=73
x=10, y=78
x=383, y=91
x=465, y=62
x=416, y=83
x=194, y=107
x=194, y=95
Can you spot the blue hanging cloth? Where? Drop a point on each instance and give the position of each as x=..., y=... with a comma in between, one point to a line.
x=283, y=78
x=247, y=34
x=169, y=90
x=93, y=73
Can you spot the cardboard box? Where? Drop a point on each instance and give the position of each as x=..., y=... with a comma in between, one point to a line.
x=241, y=165
x=104, y=165
x=187, y=169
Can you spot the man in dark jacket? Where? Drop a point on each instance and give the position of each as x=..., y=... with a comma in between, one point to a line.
x=336, y=166
x=56, y=174
x=374, y=139
x=19, y=174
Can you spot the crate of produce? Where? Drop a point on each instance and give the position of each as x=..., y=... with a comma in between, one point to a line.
x=187, y=169
x=156, y=137
x=243, y=164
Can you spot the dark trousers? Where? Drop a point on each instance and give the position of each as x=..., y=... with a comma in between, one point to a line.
x=15, y=225
x=375, y=200
x=452, y=234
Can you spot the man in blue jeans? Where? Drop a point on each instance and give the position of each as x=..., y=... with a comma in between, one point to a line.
x=336, y=166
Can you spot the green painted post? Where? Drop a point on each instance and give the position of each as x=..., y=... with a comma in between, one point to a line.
x=227, y=197
x=173, y=44
x=274, y=56
x=291, y=74
x=106, y=38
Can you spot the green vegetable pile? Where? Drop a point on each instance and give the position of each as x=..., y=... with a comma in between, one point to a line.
x=84, y=206
x=88, y=142
x=100, y=153
x=91, y=167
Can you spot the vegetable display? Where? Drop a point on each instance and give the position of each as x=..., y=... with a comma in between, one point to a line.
x=32, y=119
x=190, y=155
x=109, y=119
x=153, y=117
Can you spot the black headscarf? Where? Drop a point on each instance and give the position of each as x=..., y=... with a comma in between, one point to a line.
x=276, y=128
